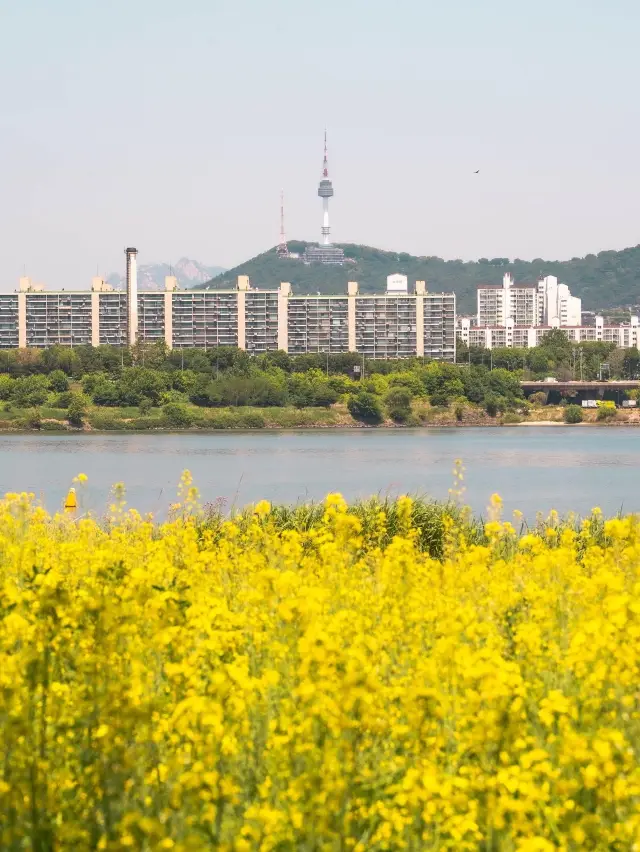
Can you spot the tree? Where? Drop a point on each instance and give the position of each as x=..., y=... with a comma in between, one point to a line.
x=58, y=381
x=178, y=415
x=6, y=386
x=631, y=364
x=573, y=414
x=365, y=407
x=30, y=391
x=398, y=402
x=138, y=382
x=77, y=409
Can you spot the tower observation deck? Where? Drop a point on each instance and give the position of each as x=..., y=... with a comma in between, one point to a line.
x=325, y=252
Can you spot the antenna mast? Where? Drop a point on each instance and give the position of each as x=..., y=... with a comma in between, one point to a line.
x=283, y=248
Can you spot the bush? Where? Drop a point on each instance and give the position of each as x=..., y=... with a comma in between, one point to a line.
x=6, y=386
x=77, y=409
x=365, y=407
x=252, y=420
x=573, y=414
x=606, y=411
x=145, y=406
x=106, y=422
x=538, y=399
x=63, y=399
x=511, y=419
x=143, y=424
x=58, y=381
x=177, y=415
x=494, y=405
x=398, y=402
x=31, y=420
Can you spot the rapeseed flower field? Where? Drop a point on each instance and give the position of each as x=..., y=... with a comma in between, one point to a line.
x=249, y=684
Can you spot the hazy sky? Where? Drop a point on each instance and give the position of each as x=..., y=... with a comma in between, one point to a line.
x=172, y=126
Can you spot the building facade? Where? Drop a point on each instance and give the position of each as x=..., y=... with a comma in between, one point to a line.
x=546, y=303
x=526, y=337
x=394, y=324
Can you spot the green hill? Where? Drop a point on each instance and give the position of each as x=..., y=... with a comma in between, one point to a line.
x=610, y=279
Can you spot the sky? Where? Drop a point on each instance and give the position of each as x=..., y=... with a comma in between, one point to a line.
x=173, y=127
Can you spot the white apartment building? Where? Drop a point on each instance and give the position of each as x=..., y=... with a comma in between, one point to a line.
x=526, y=337
x=546, y=303
x=556, y=305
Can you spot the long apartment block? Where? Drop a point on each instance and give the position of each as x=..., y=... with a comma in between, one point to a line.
x=526, y=337
x=394, y=324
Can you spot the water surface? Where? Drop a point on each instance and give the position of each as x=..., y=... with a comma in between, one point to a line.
x=533, y=468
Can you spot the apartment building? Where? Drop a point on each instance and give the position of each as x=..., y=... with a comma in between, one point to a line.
x=317, y=324
x=395, y=324
x=523, y=337
x=546, y=303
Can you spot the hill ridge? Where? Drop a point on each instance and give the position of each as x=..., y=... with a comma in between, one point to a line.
x=609, y=279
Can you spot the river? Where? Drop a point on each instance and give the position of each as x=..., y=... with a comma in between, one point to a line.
x=532, y=468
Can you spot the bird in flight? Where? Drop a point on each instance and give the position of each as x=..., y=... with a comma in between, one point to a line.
x=477, y=172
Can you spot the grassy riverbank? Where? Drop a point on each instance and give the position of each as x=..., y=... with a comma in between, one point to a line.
x=193, y=418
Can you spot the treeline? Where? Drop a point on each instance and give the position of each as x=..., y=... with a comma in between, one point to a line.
x=147, y=378
x=151, y=376
x=557, y=356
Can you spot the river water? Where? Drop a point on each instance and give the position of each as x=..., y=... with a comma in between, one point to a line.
x=532, y=468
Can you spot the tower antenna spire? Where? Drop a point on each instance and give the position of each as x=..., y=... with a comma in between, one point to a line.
x=325, y=164
x=283, y=248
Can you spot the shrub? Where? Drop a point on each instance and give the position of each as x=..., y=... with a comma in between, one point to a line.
x=538, y=399
x=606, y=410
x=365, y=407
x=145, y=406
x=63, y=399
x=573, y=414
x=58, y=381
x=398, y=402
x=31, y=420
x=494, y=405
x=251, y=420
x=52, y=426
x=142, y=424
x=511, y=418
x=77, y=409
x=106, y=422
x=177, y=415
x=6, y=386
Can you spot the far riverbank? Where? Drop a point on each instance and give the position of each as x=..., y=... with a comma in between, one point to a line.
x=190, y=418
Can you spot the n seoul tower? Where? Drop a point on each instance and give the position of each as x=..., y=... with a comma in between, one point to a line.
x=325, y=191
x=324, y=252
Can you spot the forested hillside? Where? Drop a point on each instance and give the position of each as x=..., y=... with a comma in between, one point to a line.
x=609, y=279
